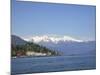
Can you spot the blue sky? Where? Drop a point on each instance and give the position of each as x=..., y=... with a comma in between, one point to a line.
x=32, y=18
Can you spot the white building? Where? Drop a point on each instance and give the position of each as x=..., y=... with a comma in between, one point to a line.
x=32, y=53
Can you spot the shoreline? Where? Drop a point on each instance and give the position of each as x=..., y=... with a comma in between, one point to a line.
x=52, y=56
x=34, y=56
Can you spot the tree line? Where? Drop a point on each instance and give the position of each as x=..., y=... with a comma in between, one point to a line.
x=19, y=50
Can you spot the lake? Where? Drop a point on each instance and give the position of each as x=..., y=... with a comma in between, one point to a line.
x=52, y=64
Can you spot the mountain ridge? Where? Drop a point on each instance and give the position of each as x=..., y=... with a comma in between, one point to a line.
x=65, y=44
x=54, y=39
x=67, y=47
x=20, y=47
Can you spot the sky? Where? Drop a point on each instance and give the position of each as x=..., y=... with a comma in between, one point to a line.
x=36, y=18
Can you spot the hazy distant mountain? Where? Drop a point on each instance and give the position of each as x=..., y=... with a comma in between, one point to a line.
x=65, y=44
x=15, y=40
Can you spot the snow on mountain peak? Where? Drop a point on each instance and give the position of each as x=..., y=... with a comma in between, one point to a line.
x=54, y=39
x=67, y=38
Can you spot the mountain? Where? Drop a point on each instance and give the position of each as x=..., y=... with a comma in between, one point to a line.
x=53, y=39
x=20, y=47
x=15, y=40
x=65, y=44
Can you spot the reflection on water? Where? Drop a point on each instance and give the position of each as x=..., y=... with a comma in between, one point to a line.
x=48, y=64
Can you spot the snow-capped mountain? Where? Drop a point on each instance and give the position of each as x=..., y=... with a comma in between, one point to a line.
x=65, y=44
x=53, y=39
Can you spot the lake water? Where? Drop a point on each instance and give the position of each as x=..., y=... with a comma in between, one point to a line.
x=51, y=64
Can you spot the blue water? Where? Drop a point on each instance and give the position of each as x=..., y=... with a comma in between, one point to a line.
x=49, y=64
